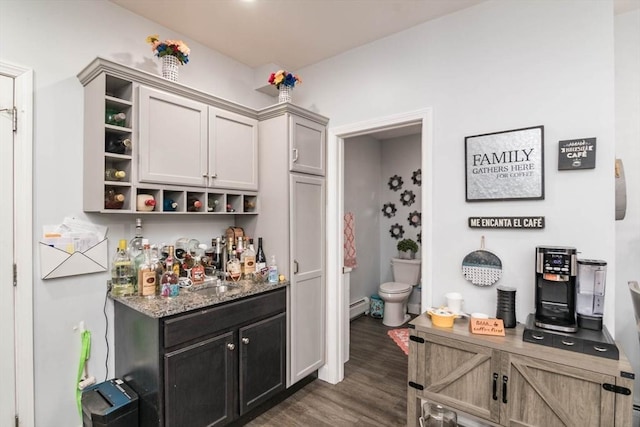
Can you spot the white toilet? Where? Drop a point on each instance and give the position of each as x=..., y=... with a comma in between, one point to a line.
x=406, y=275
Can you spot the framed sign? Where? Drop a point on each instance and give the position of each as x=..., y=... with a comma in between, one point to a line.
x=577, y=154
x=506, y=165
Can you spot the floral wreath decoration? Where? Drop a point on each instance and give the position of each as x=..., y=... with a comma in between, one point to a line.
x=397, y=231
x=389, y=210
x=407, y=198
x=395, y=183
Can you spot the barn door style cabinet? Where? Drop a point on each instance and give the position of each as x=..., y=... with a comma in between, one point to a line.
x=505, y=381
x=292, y=189
x=166, y=140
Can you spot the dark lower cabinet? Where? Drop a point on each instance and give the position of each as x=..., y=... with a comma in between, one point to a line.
x=262, y=361
x=199, y=383
x=207, y=367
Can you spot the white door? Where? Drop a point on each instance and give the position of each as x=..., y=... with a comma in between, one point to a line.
x=307, y=289
x=7, y=308
x=16, y=247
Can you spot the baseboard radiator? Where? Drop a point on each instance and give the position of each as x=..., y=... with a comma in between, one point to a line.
x=358, y=308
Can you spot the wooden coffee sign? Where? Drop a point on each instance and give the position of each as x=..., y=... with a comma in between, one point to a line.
x=493, y=327
x=518, y=222
x=577, y=154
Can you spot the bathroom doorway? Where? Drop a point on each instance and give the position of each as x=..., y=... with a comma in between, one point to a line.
x=416, y=126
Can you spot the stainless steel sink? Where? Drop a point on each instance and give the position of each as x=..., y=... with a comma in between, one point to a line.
x=215, y=289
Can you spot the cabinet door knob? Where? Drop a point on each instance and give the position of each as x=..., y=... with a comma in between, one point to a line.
x=295, y=155
x=231, y=346
x=245, y=340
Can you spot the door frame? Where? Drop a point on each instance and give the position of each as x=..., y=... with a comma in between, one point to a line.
x=23, y=217
x=337, y=316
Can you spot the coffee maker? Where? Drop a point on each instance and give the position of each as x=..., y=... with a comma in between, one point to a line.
x=556, y=271
x=592, y=274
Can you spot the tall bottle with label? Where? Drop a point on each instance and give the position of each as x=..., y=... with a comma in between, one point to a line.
x=147, y=280
x=261, y=259
x=169, y=278
x=234, y=270
x=122, y=272
x=249, y=259
x=135, y=244
x=217, y=254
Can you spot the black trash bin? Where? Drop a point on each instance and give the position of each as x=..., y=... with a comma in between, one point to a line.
x=109, y=404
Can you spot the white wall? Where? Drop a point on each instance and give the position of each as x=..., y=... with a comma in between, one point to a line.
x=362, y=157
x=57, y=39
x=499, y=65
x=627, y=105
x=400, y=156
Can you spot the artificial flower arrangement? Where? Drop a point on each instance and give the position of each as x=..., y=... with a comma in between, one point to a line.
x=175, y=48
x=285, y=78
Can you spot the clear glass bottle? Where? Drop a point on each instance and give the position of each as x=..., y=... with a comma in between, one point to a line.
x=135, y=244
x=147, y=280
x=122, y=272
x=273, y=270
x=234, y=270
x=113, y=174
x=261, y=259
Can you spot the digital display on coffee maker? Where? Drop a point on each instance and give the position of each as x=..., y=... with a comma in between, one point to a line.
x=556, y=263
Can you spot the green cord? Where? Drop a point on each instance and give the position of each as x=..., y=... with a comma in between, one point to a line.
x=84, y=356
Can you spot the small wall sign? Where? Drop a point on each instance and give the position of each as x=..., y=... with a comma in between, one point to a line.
x=577, y=154
x=493, y=327
x=526, y=222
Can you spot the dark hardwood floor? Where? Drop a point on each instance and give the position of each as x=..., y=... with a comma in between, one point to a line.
x=373, y=392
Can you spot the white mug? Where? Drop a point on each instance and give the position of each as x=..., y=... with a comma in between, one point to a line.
x=454, y=302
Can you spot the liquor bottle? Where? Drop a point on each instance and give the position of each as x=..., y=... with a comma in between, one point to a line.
x=212, y=205
x=112, y=174
x=113, y=199
x=249, y=259
x=169, y=205
x=122, y=272
x=147, y=280
x=217, y=254
x=197, y=271
x=135, y=244
x=175, y=263
x=261, y=259
x=273, y=270
x=117, y=144
x=233, y=267
x=169, y=278
x=193, y=204
x=115, y=117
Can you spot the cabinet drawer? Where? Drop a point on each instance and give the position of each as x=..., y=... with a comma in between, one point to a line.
x=186, y=327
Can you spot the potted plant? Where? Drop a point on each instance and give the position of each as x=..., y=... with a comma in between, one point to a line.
x=407, y=249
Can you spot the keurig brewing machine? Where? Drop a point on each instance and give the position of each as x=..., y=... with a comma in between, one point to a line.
x=556, y=271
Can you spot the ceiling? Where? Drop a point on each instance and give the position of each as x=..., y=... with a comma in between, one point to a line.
x=295, y=33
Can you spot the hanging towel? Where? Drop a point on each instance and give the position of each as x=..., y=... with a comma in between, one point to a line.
x=349, y=241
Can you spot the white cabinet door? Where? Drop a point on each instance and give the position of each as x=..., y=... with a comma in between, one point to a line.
x=172, y=139
x=307, y=266
x=307, y=146
x=233, y=150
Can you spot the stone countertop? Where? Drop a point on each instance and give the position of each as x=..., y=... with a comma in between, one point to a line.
x=198, y=296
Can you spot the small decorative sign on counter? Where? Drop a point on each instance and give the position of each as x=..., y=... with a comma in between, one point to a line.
x=577, y=154
x=493, y=327
x=529, y=222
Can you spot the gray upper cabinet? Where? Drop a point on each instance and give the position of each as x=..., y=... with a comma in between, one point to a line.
x=147, y=139
x=233, y=150
x=308, y=140
x=172, y=139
